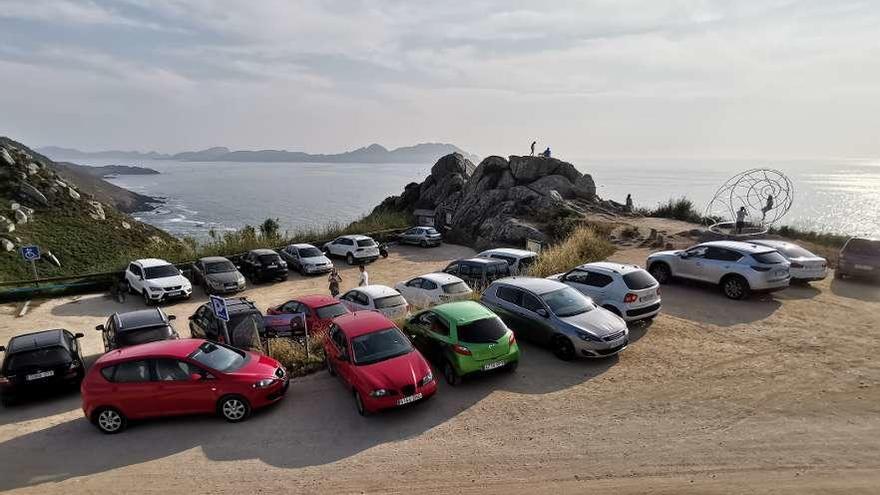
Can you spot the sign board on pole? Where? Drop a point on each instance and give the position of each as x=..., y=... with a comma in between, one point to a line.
x=30, y=253
x=218, y=304
x=534, y=245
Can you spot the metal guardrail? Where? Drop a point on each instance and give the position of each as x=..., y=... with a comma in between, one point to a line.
x=19, y=290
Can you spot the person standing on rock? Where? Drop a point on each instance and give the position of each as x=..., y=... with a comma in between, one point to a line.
x=629, y=202
x=335, y=279
x=365, y=277
x=740, y=219
x=533, y=147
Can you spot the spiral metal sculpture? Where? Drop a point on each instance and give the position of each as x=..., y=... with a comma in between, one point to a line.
x=766, y=195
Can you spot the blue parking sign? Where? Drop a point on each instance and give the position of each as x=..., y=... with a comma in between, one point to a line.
x=30, y=253
x=218, y=304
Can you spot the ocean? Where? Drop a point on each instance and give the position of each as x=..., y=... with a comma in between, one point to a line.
x=837, y=196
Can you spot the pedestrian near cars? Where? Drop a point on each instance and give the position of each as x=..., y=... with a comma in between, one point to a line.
x=334, y=279
x=740, y=219
x=365, y=277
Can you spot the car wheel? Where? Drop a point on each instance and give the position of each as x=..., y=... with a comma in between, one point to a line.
x=424, y=243
x=563, y=348
x=359, y=404
x=234, y=408
x=129, y=288
x=110, y=420
x=450, y=374
x=660, y=272
x=612, y=309
x=735, y=287
x=349, y=258
x=330, y=369
x=147, y=299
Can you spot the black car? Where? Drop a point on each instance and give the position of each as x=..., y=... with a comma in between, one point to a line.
x=263, y=264
x=479, y=272
x=136, y=327
x=244, y=326
x=217, y=275
x=40, y=360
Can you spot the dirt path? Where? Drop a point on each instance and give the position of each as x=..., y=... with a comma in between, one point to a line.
x=774, y=395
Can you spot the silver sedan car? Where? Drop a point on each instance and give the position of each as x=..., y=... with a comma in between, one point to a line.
x=555, y=315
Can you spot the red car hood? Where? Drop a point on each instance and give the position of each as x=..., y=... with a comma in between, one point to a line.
x=396, y=372
x=258, y=366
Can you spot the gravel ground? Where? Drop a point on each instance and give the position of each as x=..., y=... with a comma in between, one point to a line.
x=779, y=394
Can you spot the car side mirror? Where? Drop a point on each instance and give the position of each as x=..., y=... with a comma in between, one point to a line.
x=99, y=328
x=542, y=312
x=78, y=335
x=171, y=317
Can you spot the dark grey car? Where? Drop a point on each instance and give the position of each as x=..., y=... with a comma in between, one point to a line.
x=421, y=236
x=217, y=275
x=552, y=314
x=860, y=257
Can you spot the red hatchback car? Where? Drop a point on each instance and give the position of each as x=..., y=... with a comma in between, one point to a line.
x=319, y=310
x=176, y=377
x=376, y=362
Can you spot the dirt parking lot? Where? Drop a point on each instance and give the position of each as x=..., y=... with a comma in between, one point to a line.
x=778, y=394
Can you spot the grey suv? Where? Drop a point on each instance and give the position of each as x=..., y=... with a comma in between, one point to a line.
x=555, y=315
x=739, y=268
x=860, y=257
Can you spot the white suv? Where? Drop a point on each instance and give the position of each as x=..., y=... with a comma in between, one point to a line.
x=353, y=248
x=156, y=280
x=737, y=267
x=626, y=290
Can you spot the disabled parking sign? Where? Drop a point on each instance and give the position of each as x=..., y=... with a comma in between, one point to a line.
x=30, y=253
x=218, y=304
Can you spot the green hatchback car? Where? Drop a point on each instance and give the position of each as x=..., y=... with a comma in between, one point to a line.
x=463, y=338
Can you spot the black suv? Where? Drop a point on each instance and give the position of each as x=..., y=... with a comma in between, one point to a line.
x=263, y=264
x=245, y=324
x=136, y=327
x=479, y=272
x=860, y=257
x=39, y=360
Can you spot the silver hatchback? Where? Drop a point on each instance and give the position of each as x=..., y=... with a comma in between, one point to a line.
x=552, y=314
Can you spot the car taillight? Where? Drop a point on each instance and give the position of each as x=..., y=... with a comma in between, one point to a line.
x=4, y=380
x=630, y=298
x=761, y=268
x=511, y=340
x=658, y=291
x=460, y=349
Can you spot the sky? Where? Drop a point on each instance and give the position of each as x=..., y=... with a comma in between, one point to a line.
x=589, y=78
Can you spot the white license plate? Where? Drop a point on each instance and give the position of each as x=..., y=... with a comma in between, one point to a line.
x=407, y=400
x=273, y=265
x=174, y=294
x=648, y=298
x=864, y=267
x=37, y=376
x=492, y=366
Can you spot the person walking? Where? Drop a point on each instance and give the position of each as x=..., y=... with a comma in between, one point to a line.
x=334, y=279
x=533, y=147
x=629, y=202
x=365, y=277
x=740, y=219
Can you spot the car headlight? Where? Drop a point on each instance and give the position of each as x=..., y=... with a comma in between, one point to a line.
x=155, y=289
x=379, y=392
x=265, y=382
x=283, y=264
x=239, y=279
x=426, y=379
x=588, y=337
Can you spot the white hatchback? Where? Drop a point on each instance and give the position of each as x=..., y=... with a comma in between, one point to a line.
x=519, y=260
x=379, y=298
x=432, y=289
x=626, y=290
x=805, y=266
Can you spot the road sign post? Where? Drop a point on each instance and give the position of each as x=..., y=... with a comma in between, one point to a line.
x=218, y=304
x=31, y=254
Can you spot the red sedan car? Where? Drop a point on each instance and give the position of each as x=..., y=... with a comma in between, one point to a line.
x=176, y=377
x=376, y=361
x=318, y=308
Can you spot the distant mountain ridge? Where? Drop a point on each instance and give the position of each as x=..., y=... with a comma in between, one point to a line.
x=374, y=153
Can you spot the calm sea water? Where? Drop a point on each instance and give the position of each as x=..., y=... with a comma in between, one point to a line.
x=840, y=196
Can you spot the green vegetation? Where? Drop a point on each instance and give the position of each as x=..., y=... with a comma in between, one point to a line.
x=584, y=245
x=292, y=355
x=678, y=209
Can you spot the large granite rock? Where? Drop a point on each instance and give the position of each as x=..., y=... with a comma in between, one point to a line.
x=500, y=201
x=6, y=157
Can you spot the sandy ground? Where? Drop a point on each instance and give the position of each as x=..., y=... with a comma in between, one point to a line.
x=779, y=394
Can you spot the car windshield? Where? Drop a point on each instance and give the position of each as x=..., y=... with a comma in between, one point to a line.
x=331, y=311
x=218, y=357
x=567, y=302
x=50, y=356
x=769, y=258
x=220, y=267
x=144, y=335
x=863, y=247
x=456, y=288
x=268, y=259
x=310, y=253
x=638, y=280
x=366, y=243
x=485, y=331
x=161, y=271
x=390, y=301
x=794, y=251
x=379, y=346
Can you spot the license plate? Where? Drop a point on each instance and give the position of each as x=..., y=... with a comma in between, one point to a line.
x=174, y=293
x=37, y=376
x=492, y=366
x=780, y=273
x=411, y=398
x=647, y=298
x=273, y=265
x=231, y=286
x=864, y=267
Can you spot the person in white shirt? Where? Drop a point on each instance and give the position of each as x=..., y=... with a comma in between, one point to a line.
x=365, y=277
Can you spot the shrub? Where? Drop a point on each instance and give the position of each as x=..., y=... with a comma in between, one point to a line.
x=292, y=354
x=584, y=245
x=678, y=209
x=629, y=232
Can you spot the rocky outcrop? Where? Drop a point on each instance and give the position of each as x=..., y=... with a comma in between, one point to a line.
x=500, y=201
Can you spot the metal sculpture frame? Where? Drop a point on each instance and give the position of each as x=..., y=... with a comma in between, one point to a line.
x=750, y=190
